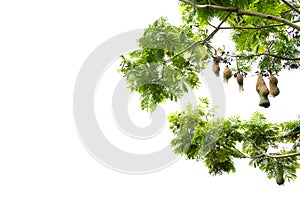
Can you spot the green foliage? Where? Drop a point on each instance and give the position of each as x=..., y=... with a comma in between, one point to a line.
x=265, y=36
x=168, y=62
x=147, y=71
x=184, y=124
x=218, y=141
x=256, y=130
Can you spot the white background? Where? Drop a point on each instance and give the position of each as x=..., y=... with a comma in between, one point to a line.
x=42, y=47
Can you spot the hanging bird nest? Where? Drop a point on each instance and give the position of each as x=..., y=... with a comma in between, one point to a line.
x=227, y=74
x=217, y=59
x=216, y=69
x=240, y=80
x=215, y=65
x=274, y=90
x=263, y=91
x=278, y=173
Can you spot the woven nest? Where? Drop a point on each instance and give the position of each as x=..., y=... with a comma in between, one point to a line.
x=240, y=81
x=216, y=68
x=278, y=173
x=227, y=74
x=274, y=90
x=263, y=91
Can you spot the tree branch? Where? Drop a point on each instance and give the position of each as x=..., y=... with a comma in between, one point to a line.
x=288, y=135
x=274, y=156
x=242, y=12
x=255, y=55
x=200, y=41
x=243, y=155
x=283, y=155
x=263, y=54
x=291, y=6
x=251, y=27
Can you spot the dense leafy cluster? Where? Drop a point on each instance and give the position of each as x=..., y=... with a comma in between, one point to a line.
x=266, y=35
x=148, y=71
x=271, y=147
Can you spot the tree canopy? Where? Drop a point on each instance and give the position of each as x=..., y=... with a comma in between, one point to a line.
x=170, y=59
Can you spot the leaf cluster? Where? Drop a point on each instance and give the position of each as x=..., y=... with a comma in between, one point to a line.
x=147, y=71
x=272, y=147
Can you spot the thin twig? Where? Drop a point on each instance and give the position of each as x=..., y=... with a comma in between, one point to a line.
x=291, y=6
x=289, y=10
